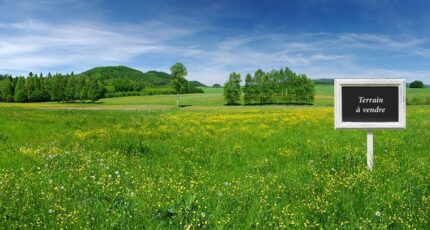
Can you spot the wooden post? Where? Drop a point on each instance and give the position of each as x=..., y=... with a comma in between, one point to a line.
x=369, y=149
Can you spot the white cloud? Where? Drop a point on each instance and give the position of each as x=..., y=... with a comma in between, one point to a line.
x=40, y=46
x=317, y=55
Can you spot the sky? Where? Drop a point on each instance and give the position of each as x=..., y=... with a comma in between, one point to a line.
x=319, y=38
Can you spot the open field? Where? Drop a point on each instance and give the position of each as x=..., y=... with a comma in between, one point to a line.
x=138, y=162
x=211, y=97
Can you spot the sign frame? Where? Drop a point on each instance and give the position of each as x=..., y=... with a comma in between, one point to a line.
x=399, y=83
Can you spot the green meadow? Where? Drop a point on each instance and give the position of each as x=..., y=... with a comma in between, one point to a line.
x=140, y=163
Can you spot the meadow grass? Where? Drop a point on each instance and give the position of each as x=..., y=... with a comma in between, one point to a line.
x=211, y=97
x=264, y=167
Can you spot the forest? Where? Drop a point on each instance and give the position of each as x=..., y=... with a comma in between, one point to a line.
x=100, y=82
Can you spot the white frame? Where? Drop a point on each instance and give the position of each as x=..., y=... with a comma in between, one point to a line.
x=339, y=83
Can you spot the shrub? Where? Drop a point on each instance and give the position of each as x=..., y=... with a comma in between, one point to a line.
x=416, y=84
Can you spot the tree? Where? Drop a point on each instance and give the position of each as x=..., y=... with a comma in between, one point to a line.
x=29, y=86
x=248, y=89
x=178, y=73
x=46, y=87
x=20, y=94
x=57, y=88
x=37, y=94
x=259, y=90
x=216, y=86
x=95, y=89
x=308, y=90
x=70, y=90
x=82, y=90
x=6, y=90
x=416, y=84
x=232, y=89
x=267, y=88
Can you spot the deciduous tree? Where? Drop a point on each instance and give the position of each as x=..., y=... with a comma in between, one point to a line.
x=416, y=84
x=20, y=94
x=232, y=89
x=178, y=73
x=6, y=90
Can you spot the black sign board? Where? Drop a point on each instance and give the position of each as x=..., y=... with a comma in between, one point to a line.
x=370, y=104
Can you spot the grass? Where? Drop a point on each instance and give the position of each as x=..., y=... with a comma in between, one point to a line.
x=221, y=167
x=211, y=97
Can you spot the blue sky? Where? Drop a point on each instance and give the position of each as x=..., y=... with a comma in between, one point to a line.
x=321, y=38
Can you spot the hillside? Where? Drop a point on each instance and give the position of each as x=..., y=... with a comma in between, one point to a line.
x=330, y=81
x=151, y=78
x=323, y=81
x=198, y=84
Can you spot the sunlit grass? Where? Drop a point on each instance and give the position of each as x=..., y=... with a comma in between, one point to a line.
x=212, y=167
x=211, y=97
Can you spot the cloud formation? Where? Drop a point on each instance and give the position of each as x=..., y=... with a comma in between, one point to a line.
x=210, y=50
x=38, y=45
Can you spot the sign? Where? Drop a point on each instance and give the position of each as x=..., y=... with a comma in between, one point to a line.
x=370, y=104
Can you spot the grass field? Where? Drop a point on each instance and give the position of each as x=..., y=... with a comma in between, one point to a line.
x=138, y=162
x=211, y=97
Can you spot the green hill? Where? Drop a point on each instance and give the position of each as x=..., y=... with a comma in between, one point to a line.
x=150, y=78
x=126, y=81
x=198, y=84
x=323, y=81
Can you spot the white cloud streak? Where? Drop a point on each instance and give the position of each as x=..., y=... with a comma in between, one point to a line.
x=318, y=55
x=33, y=45
x=39, y=46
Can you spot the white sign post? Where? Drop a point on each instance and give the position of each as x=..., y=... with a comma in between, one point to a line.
x=369, y=149
x=370, y=104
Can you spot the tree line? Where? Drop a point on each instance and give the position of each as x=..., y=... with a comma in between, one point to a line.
x=276, y=87
x=58, y=87
x=81, y=87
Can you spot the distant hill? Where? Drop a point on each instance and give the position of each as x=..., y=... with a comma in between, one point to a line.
x=151, y=78
x=324, y=81
x=198, y=84
x=330, y=81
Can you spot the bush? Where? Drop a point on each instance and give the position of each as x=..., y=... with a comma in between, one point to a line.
x=157, y=91
x=417, y=84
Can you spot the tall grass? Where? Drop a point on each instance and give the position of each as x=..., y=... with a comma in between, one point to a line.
x=242, y=168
